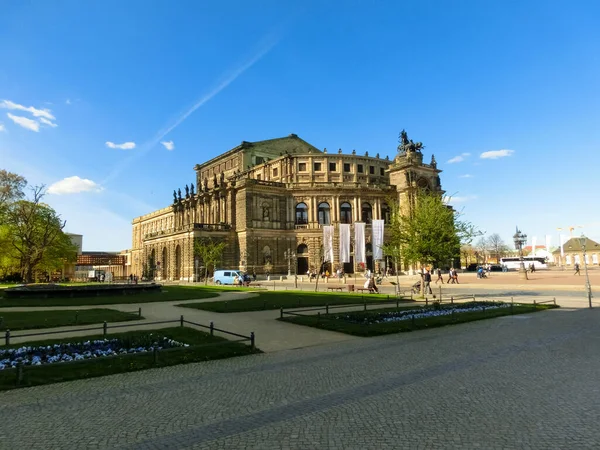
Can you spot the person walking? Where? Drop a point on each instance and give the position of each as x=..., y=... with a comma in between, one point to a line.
x=427, y=282
x=577, y=272
x=439, y=276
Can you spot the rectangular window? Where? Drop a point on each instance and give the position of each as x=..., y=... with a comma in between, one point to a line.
x=359, y=168
x=372, y=170
x=381, y=171
x=301, y=167
x=275, y=171
x=332, y=167
x=317, y=167
x=346, y=167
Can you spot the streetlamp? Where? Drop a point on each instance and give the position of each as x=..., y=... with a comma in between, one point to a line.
x=289, y=255
x=583, y=242
x=520, y=239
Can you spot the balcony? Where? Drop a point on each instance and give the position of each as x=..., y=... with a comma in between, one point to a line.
x=186, y=228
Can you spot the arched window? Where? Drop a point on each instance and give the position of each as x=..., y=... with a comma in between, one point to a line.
x=366, y=212
x=302, y=249
x=301, y=214
x=324, y=214
x=386, y=214
x=345, y=213
x=423, y=184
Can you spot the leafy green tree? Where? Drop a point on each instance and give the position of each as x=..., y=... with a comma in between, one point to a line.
x=11, y=189
x=62, y=251
x=210, y=252
x=33, y=228
x=428, y=231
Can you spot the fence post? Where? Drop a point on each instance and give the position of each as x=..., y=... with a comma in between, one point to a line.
x=555, y=301
x=264, y=305
x=534, y=305
x=19, y=373
x=252, y=341
x=281, y=312
x=397, y=303
x=440, y=294
x=181, y=321
x=512, y=305
x=473, y=297
x=452, y=300
x=365, y=304
x=76, y=317
x=140, y=311
x=7, y=337
x=212, y=329
x=1, y=320
x=318, y=317
x=326, y=308
x=426, y=301
x=155, y=353
x=105, y=328
x=411, y=294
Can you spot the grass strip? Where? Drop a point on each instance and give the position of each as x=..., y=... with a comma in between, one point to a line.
x=269, y=300
x=199, y=350
x=336, y=322
x=33, y=320
x=167, y=293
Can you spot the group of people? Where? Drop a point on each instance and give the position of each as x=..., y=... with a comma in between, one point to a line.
x=243, y=280
x=426, y=278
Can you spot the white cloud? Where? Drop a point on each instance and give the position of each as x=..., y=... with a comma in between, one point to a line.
x=7, y=104
x=495, y=154
x=73, y=185
x=466, y=175
x=458, y=158
x=459, y=199
x=123, y=146
x=169, y=145
x=68, y=101
x=2, y=127
x=30, y=124
x=47, y=122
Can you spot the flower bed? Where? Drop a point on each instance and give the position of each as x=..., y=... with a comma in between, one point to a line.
x=423, y=312
x=64, y=352
x=396, y=320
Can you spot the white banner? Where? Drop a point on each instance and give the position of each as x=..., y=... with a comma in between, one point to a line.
x=377, y=226
x=359, y=242
x=328, y=243
x=344, y=242
x=533, y=242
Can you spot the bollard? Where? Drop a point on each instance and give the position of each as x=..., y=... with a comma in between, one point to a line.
x=281, y=312
x=19, y=373
x=512, y=304
x=155, y=353
x=397, y=303
x=534, y=305
x=252, y=340
x=181, y=321
x=365, y=304
x=212, y=329
x=140, y=311
x=7, y=337
x=452, y=300
x=105, y=328
x=473, y=297
x=318, y=317
x=426, y=301
x=555, y=301
x=440, y=294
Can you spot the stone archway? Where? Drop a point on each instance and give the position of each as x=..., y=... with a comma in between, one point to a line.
x=177, y=262
x=302, y=259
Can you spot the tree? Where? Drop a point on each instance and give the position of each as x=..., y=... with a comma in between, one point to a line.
x=11, y=188
x=210, y=252
x=34, y=227
x=482, y=248
x=497, y=246
x=61, y=252
x=428, y=232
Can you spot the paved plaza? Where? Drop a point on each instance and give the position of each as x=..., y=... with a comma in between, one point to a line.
x=514, y=382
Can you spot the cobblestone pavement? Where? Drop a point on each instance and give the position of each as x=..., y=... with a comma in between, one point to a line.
x=523, y=381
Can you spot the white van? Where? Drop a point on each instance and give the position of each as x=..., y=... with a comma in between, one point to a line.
x=226, y=276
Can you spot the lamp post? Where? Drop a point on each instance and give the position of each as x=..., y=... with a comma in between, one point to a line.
x=520, y=239
x=289, y=255
x=583, y=241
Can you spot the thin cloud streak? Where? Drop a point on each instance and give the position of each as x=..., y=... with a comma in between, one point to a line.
x=269, y=42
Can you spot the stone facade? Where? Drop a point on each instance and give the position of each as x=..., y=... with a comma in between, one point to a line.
x=268, y=198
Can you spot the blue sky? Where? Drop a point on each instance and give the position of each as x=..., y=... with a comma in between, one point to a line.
x=80, y=79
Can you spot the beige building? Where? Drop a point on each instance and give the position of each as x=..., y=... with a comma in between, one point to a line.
x=572, y=253
x=269, y=199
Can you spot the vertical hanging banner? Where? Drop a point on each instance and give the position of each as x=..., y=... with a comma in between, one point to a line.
x=377, y=226
x=328, y=243
x=344, y=242
x=359, y=242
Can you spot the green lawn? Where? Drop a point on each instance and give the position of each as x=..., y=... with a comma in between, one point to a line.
x=265, y=300
x=203, y=347
x=168, y=293
x=30, y=320
x=338, y=321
